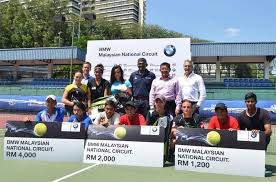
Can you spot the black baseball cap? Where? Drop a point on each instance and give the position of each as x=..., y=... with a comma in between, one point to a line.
x=130, y=103
x=220, y=106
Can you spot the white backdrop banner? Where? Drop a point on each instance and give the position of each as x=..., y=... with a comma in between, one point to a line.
x=127, y=52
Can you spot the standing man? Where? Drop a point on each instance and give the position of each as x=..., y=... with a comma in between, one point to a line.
x=167, y=86
x=192, y=86
x=86, y=68
x=141, y=81
x=254, y=118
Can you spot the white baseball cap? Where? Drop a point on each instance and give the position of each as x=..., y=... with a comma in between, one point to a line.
x=52, y=97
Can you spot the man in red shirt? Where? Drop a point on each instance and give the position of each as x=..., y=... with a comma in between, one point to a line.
x=222, y=120
x=132, y=117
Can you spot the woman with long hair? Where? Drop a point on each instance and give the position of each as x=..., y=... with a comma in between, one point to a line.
x=118, y=83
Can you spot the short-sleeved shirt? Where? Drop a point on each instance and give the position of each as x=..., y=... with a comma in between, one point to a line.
x=85, y=119
x=76, y=93
x=114, y=120
x=231, y=123
x=154, y=119
x=140, y=120
x=115, y=87
x=141, y=83
x=97, y=91
x=44, y=116
x=192, y=122
x=256, y=122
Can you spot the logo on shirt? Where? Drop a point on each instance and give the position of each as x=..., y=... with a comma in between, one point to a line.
x=169, y=50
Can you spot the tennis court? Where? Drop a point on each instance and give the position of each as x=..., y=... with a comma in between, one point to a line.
x=64, y=171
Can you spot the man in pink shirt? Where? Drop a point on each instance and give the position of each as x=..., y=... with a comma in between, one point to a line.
x=168, y=87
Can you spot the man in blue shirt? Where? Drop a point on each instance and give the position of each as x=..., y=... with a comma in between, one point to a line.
x=51, y=113
x=141, y=84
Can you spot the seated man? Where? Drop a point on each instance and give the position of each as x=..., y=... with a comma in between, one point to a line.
x=187, y=119
x=222, y=120
x=109, y=116
x=51, y=113
x=254, y=118
x=132, y=117
x=79, y=114
x=159, y=117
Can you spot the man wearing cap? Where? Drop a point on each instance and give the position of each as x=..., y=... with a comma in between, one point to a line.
x=132, y=117
x=255, y=119
x=51, y=113
x=159, y=116
x=222, y=120
x=192, y=86
x=141, y=84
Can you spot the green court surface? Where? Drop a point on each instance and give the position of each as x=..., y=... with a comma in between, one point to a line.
x=40, y=171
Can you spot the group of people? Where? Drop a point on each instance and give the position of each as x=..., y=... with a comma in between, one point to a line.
x=165, y=101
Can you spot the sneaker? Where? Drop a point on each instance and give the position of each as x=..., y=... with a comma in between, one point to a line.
x=268, y=172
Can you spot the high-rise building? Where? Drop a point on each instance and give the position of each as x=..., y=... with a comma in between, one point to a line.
x=126, y=12
x=73, y=5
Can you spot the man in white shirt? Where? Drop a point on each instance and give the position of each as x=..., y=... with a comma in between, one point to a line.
x=192, y=86
x=109, y=116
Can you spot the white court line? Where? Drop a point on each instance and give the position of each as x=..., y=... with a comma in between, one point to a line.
x=74, y=173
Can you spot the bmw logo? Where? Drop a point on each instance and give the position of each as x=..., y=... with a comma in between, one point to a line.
x=169, y=50
x=154, y=129
x=75, y=125
x=253, y=134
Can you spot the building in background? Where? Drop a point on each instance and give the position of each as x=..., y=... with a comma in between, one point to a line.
x=73, y=5
x=126, y=12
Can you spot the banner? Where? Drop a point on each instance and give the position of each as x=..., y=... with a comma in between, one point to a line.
x=126, y=53
x=44, y=141
x=125, y=145
x=220, y=151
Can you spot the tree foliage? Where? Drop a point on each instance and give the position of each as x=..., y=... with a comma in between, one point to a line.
x=32, y=25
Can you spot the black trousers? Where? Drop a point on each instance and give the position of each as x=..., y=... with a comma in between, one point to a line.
x=142, y=106
x=170, y=107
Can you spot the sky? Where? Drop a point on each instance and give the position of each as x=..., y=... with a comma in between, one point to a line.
x=216, y=20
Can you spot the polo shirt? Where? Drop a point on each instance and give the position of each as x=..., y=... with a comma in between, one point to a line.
x=231, y=123
x=141, y=83
x=85, y=119
x=140, y=120
x=44, y=116
x=97, y=91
